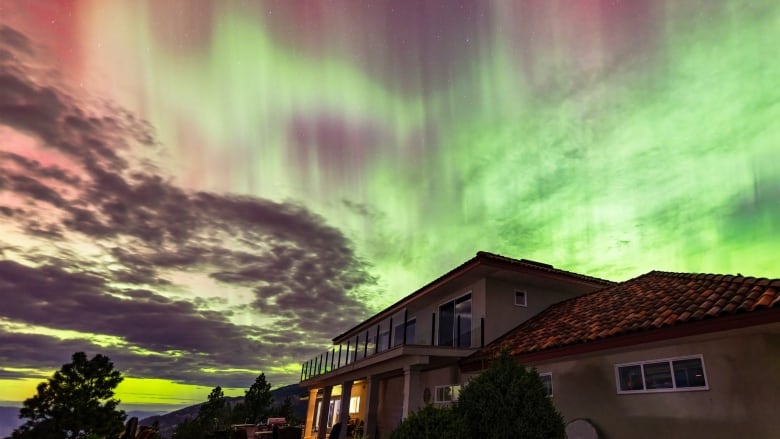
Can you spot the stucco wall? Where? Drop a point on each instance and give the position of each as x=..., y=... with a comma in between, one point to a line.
x=743, y=374
x=437, y=377
x=501, y=313
x=390, y=405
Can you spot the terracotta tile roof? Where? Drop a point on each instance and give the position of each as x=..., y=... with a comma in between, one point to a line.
x=649, y=302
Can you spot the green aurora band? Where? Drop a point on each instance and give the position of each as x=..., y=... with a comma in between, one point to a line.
x=606, y=138
x=668, y=159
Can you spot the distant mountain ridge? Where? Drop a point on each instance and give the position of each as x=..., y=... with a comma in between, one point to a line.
x=10, y=421
x=9, y=416
x=169, y=421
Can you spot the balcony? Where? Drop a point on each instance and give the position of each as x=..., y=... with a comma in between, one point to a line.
x=380, y=339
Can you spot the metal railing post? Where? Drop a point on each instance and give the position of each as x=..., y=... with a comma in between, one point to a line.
x=433, y=328
x=406, y=322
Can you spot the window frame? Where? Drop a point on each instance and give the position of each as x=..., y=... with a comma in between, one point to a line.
x=354, y=402
x=552, y=388
x=525, y=298
x=454, y=394
x=670, y=361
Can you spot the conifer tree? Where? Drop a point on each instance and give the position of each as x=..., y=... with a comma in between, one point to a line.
x=76, y=402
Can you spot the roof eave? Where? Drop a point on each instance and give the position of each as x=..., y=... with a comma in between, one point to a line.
x=715, y=324
x=480, y=259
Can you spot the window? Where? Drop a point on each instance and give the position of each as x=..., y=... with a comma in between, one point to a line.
x=669, y=375
x=333, y=412
x=547, y=381
x=447, y=393
x=463, y=321
x=354, y=405
x=521, y=298
x=455, y=322
x=446, y=323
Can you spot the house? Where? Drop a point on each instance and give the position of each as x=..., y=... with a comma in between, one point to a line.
x=662, y=355
x=409, y=354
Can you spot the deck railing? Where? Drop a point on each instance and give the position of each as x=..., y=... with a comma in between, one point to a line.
x=375, y=340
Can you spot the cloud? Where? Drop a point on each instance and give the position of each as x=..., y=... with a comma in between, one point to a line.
x=102, y=240
x=15, y=39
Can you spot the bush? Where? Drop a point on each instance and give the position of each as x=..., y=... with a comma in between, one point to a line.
x=508, y=401
x=429, y=423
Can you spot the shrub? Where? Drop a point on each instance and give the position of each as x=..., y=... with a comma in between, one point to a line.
x=508, y=401
x=429, y=423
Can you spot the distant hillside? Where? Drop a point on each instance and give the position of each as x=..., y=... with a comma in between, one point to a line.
x=169, y=421
x=9, y=416
x=9, y=420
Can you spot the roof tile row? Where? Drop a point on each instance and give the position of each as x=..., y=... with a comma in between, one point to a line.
x=652, y=301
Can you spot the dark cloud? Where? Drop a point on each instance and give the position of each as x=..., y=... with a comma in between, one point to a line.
x=36, y=168
x=24, y=185
x=50, y=296
x=35, y=352
x=146, y=229
x=15, y=39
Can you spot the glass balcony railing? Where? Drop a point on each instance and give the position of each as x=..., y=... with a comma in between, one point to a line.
x=389, y=334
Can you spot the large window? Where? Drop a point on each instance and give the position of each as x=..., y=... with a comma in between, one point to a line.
x=463, y=321
x=455, y=322
x=446, y=323
x=668, y=375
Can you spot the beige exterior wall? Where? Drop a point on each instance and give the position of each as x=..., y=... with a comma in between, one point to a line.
x=437, y=377
x=391, y=401
x=743, y=374
x=501, y=313
x=391, y=397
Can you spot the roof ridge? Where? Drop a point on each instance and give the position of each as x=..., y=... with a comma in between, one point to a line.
x=652, y=301
x=739, y=277
x=542, y=266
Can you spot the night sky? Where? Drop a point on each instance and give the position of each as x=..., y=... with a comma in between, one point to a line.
x=206, y=190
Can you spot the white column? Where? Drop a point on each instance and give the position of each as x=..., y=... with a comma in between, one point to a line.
x=372, y=404
x=310, y=413
x=322, y=425
x=412, y=395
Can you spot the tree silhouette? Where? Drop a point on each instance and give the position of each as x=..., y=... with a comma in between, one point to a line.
x=76, y=402
x=213, y=414
x=188, y=429
x=285, y=410
x=258, y=400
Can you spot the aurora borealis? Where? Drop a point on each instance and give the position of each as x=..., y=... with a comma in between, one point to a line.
x=206, y=190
